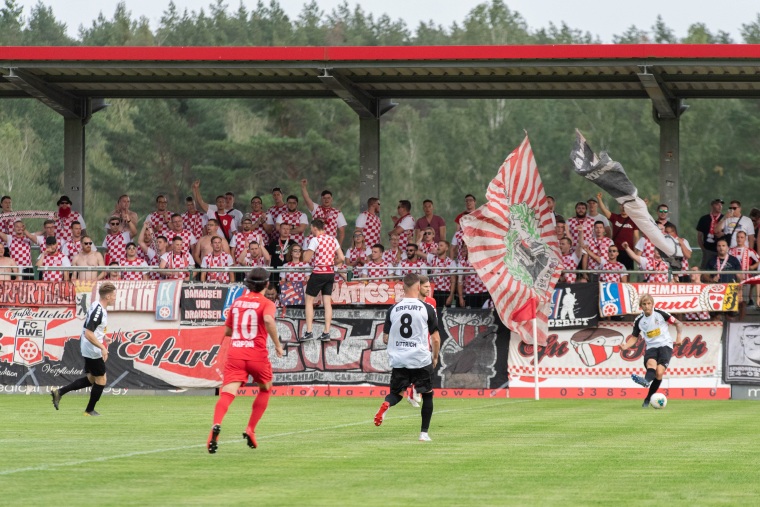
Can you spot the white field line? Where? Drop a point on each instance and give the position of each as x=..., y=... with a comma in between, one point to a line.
x=51, y=466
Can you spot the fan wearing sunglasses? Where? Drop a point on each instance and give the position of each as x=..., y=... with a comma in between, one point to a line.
x=89, y=256
x=733, y=221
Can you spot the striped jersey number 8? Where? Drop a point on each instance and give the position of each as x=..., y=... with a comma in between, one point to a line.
x=245, y=322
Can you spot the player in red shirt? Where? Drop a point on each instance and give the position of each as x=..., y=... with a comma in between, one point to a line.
x=251, y=319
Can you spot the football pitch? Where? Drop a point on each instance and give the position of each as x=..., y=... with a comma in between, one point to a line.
x=150, y=450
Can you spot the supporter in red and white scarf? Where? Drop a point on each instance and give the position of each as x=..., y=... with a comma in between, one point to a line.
x=64, y=217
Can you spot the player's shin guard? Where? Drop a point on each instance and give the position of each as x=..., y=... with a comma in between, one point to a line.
x=78, y=384
x=393, y=398
x=427, y=411
x=654, y=387
x=258, y=408
x=97, y=390
x=220, y=410
x=651, y=374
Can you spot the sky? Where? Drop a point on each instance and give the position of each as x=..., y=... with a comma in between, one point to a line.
x=603, y=18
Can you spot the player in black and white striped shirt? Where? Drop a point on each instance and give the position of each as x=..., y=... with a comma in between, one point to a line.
x=408, y=324
x=94, y=350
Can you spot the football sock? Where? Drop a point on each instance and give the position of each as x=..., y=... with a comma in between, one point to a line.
x=79, y=383
x=426, y=411
x=651, y=374
x=654, y=387
x=393, y=398
x=220, y=410
x=97, y=390
x=258, y=408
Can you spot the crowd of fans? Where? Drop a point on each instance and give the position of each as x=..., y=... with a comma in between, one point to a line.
x=214, y=237
x=219, y=236
x=597, y=239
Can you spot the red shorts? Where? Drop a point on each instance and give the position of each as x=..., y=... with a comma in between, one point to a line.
x=237, y=370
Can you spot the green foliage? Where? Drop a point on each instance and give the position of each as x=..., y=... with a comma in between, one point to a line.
x=434, y=149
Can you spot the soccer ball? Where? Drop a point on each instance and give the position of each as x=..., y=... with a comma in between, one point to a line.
x=658, y=400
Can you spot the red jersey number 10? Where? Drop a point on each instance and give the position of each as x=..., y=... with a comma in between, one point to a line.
x=245, y=325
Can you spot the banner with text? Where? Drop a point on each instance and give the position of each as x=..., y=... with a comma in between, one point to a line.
x=160, y=298
x=574, y=306
x=20, y=293
x=623, y=298
x=40, y=347
x=348, y=293
x=595, y=353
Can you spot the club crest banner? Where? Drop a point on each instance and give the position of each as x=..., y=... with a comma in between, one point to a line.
x=623, y=298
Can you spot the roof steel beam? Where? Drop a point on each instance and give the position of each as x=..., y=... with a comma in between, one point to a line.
x=663, y=101
x=62, y=102
x=365, y=105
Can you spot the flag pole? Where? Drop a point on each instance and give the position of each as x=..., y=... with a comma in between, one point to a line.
x=535, y=356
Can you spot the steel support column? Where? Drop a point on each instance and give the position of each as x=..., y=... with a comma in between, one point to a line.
x=369, y=109
x=667, y=111
x=73, y=161
x=670, y=164
x=76, y=112
x=369, y=160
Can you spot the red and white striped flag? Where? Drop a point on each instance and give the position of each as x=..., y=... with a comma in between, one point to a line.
x=512, y=243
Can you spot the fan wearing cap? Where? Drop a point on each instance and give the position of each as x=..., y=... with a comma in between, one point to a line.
x=64, y=217
x=49, y=230
x=52, y=257
x=708, y=232
x=250, y=321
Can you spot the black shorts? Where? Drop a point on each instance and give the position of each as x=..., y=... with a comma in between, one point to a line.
x=421, y=378
x=95, y=367
x=660, y=354
x=320, y=282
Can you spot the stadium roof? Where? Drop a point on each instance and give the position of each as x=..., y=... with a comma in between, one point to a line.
x=76, y=81
x=572, y=71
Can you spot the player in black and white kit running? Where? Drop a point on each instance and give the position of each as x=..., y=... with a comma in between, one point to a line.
x=94, y=350
x=654, y=325
x=411, y=334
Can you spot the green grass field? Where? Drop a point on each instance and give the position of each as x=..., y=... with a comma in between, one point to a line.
x=315, y=451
